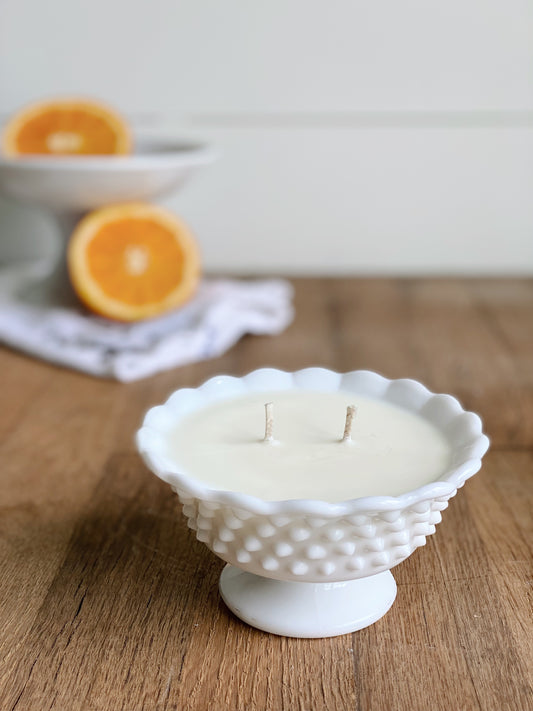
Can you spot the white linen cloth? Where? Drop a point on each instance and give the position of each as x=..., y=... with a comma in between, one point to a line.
x=220, y=313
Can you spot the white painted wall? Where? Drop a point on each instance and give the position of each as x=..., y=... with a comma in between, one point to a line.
x=357, y=136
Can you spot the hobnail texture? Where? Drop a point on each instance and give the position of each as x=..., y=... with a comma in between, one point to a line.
x=309, y=540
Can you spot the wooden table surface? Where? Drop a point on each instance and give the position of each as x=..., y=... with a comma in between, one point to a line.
x=107, y=601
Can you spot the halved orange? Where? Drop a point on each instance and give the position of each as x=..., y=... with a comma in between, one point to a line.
x=133, y=261
x=66, y=127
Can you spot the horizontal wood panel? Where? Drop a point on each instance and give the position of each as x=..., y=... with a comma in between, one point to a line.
x=238, y=56
x=326, y=201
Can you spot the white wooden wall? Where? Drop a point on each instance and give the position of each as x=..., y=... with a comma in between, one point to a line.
x=357, y=136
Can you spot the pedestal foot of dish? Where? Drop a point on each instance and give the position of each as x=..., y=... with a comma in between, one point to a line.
x=54, y=287
x=295, y=609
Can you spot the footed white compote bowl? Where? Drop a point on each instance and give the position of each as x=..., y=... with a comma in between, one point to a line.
x=67, y=187
x=307, y=568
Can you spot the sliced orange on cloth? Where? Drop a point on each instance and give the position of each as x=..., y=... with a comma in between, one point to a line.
x=133, y=261
x=66, y=127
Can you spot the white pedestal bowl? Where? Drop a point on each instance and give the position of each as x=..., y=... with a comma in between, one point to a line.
x=67, y=187
x=306, y=568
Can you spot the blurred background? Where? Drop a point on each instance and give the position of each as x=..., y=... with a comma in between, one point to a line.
x=355, y=137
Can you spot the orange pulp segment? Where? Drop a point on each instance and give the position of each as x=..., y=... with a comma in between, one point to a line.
x=134, y=261
x=66, y=127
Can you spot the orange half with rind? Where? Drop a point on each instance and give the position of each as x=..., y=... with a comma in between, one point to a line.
x=133, y=261
x=67, y=127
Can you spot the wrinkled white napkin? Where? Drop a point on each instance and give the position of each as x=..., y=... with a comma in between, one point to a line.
x=221, y=312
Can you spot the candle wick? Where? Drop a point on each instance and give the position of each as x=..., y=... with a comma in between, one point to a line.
x=269, y=422
x=351, y=411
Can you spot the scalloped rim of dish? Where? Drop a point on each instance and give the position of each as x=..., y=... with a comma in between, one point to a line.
x=444, y=411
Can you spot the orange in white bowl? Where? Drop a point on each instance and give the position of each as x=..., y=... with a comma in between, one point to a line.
x=67, y=127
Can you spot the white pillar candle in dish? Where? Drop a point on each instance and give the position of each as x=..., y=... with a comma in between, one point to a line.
x=391, y=450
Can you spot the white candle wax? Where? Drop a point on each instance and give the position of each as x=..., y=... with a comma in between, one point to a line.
x=391, y=451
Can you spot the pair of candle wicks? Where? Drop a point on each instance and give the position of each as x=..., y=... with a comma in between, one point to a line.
x=269, y=423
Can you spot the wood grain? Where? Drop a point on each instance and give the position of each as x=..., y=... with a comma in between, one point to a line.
x=107, y=601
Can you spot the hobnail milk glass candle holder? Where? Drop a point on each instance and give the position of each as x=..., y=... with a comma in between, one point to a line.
x=307, y=568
